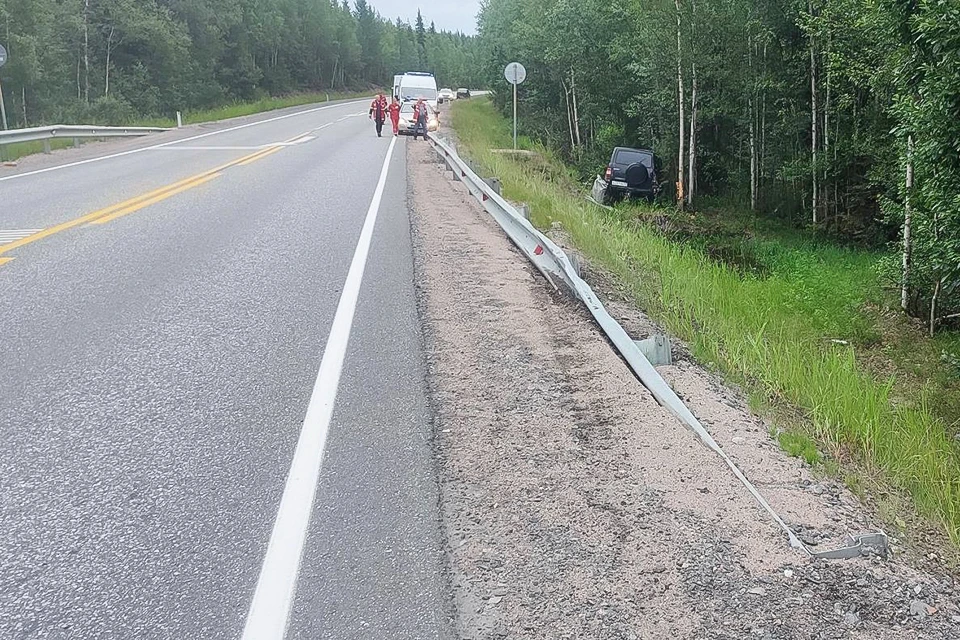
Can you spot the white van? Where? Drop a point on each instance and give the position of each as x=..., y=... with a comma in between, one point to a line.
x=414, y=85
x=396, y=85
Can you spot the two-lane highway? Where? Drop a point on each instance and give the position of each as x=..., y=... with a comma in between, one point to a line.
x=213, y=415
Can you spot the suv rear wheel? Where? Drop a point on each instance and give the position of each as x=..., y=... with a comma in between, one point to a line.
x=637, y=175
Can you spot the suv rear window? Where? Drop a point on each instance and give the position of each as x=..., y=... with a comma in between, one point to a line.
x=631, y=156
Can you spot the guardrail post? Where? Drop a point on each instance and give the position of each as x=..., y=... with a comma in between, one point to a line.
x=46, y=146
x=76, y=143
x=657, y=350
x=494, y=183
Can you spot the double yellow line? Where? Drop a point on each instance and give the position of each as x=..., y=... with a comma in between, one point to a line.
x=141, y=202
x=126, y=207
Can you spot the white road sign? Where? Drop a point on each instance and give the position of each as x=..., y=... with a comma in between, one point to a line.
x=515, y=73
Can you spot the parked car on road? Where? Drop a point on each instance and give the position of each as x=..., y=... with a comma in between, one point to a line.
x=463, y=94
x=406, y=120
x=446, y=95
x=630, y=173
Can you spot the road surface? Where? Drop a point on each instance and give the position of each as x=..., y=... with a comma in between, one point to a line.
x=188, y=322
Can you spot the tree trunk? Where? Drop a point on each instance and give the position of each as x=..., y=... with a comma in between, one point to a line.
x=935, y=300
x=576, y=111
x=907, y=230
x=86, y=51
x=934, y=303
x=826, y=142
x=753, y=127
x=692, y=173
x=680, y=96
x=566, y=95
x=106, y=79
x=814, y=131
x=763, y=124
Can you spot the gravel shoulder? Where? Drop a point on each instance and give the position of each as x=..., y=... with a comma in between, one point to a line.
x=575, y=506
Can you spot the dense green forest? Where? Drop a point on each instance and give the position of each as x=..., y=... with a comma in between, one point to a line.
x=843, y=115
x=114, y=61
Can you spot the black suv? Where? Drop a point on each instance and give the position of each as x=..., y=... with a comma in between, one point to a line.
x=631, y=172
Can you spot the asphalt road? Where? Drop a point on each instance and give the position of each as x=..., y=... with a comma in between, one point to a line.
x=163, y=326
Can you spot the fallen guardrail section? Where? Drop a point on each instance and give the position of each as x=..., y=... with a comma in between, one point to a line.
x=556, y=266
x=68, y=131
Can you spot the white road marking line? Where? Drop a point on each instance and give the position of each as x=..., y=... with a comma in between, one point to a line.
x=12, y=235
x=273, y=599
x=176, y=142
x=304, y=139
x=253, y=148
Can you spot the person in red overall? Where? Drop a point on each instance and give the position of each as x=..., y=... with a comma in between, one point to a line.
x=394, y=111
x=378, y=113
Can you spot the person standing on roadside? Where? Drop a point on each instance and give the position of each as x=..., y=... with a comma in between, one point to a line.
x=420, y=116
x=378, y=113
x=394, y=111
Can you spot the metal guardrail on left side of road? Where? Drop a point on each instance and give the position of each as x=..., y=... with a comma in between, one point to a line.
x=72, y=131
x=555, y=265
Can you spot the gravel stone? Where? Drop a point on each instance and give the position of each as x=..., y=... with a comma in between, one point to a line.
x=600, y=529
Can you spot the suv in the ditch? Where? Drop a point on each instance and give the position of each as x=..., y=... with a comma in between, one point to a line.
x=630, y=173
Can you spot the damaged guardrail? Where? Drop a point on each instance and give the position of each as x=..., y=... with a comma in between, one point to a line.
x=556, y=266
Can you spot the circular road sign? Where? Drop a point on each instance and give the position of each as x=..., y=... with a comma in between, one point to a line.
x=3, y=55
x=515, y=73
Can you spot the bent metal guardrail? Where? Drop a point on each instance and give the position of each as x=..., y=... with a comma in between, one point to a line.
x=71, y=131
x=555, y=265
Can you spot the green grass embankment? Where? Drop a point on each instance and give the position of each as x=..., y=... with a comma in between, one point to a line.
x=790, y=329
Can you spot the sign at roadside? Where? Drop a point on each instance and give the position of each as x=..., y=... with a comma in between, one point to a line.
x=3, y=109
x=515, y=73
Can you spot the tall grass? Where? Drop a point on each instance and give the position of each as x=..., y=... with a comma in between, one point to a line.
x=13, y=152
x=785, y=332
x=239, y=109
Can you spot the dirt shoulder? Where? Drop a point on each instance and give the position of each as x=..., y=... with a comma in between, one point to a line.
x=576, y=507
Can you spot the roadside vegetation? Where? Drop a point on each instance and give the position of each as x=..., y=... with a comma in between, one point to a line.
x=835, y=115
x=805, y=323
x=116, y=62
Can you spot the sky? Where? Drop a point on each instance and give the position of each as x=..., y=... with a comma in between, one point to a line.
x=449, y=15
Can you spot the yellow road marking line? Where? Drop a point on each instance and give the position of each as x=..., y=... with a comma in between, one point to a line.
x=46, y=233
x=163, y=196
x=260, y=156
x=139, y=202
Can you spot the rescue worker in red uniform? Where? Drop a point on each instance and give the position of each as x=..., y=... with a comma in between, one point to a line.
x=394, y=111
x=378, y=113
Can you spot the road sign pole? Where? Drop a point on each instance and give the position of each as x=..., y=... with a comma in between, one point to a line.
x=3, y=109
x=515, y=74
x=514, y=117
